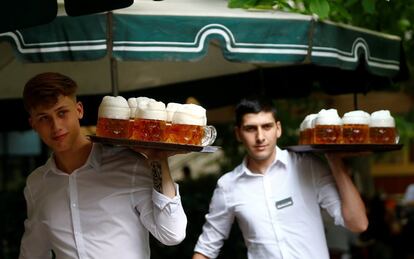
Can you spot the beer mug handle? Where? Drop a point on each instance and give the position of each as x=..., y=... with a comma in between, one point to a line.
x=397, y=136
x=210, y=134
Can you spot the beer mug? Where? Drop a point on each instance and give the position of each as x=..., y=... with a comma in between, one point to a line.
x=186, y=134
x=382, y=128
x=306, y=130
x=113, y=118
x=150, y=121
x=355, y=127
x=327, y=127
x=133, y=104
x=188, y=127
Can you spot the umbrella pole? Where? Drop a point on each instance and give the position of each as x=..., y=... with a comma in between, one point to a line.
x=355, y=101
x=112, y=60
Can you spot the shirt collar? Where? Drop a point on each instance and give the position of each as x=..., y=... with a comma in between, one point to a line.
x=94, y=160
x=281, y=156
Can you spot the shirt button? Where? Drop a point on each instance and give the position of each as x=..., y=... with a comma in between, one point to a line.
x=73, y=204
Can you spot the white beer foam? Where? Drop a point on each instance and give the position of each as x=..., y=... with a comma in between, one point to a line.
x=190, y=114
x=356, y=117
x=382, y=118
x=302, y=125
x=171, y=109
x=151, y=110
x=328, y=117
x=308, y=122
x=134, y=101
x=114, y=107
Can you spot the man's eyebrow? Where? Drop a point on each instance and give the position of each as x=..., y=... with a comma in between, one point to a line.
x=258, y=125
x=62, y=107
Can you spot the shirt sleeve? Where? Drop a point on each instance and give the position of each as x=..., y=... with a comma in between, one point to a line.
x=33, y=245
x=164, y=217
x=327, y=192
x=217, y=226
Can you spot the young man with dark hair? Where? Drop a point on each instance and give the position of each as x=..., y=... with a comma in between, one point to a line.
x=90, y=200
x=276, y=195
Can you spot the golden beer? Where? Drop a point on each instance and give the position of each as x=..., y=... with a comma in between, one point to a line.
x=302, y=140
x=355, y=133
x=306, y=136
x=382, y=135
x=328, y=134
x=148, y=130
x=113, y=128
x=184, y=134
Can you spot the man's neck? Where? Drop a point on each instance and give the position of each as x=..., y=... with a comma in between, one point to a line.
x=259, y=166
x=72, y=159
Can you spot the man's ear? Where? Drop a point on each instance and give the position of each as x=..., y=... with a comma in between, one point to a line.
x=279, y=129
x=79, y=109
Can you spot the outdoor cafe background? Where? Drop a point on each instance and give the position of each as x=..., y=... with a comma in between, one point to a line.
x=157, y=49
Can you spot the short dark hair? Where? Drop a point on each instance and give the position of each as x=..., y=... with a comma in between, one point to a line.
x=45, y=89
x=254, y=104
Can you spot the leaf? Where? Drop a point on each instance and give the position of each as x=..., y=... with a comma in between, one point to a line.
x=350, y=3
x=342, y=13
x=320, y=7
x=369, y=6
x=242, y=3
x=265, y=4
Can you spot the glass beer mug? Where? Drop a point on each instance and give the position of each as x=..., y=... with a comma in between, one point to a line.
x=306, y=134
x=327, y=127
x=188, y=127
x=150, y=122
x=355, y=127
x=382, y=128
x=113, y=118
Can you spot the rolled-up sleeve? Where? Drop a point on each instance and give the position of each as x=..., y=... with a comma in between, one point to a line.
x=328, y=196
x=165, y=218
x=217, y=227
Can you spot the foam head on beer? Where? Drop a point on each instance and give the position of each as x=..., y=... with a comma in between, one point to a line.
x=355, y=128
x=306, y=130
x=114, y=107
x=151, y=110
x=133, y=103
x=356, y=117
x=308, y=122
x=328, y=117
x=190, y=114
x=382, y=118
x=113, y=118
x=328, y=127
x=171, y=109
x=382, y=128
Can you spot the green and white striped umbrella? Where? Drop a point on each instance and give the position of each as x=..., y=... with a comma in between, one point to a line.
x=156, y=43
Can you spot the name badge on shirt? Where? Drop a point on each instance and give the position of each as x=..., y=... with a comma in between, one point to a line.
x=284, y=203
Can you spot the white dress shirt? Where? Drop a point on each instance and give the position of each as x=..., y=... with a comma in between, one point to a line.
x=104, y=209
x=278, y=212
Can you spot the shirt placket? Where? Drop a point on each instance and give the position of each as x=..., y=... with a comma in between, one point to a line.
x=76, y=223
x=271, y=205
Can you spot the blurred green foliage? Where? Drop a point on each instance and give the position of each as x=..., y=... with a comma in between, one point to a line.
x=388, y=16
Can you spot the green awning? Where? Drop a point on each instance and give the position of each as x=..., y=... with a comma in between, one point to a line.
x=141, y=33
x=173, y=49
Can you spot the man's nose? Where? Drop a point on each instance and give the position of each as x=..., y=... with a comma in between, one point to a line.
x=259, y=135
x=56, y=123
